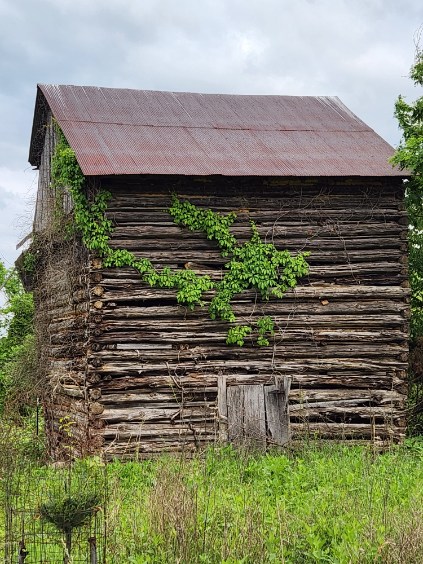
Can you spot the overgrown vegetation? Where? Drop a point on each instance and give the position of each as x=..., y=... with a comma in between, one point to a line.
x=17, y=356
x=331, y=503
x=70, y=512
x=409, y=155
x=254, y=264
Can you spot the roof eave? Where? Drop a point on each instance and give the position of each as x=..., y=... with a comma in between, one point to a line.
x=41, y=111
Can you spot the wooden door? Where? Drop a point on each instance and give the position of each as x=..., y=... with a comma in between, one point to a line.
x=256, y=414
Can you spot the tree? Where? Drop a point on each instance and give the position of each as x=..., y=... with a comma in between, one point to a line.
x=409, y=155
x=16, y=324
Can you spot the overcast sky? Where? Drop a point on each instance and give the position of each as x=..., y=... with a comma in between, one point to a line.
x=359, y=50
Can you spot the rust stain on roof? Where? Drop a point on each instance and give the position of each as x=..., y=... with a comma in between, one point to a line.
x=121, y=131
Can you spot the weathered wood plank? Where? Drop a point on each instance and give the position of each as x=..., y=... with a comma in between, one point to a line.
x=222, y=406
x=276, y=400
x=301, y=396
x=346, y=431
x=254, y=415
x=171, y=413
x=235, y=406
x=380, y=381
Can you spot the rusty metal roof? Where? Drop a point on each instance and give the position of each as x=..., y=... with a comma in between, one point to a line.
x=121, y=131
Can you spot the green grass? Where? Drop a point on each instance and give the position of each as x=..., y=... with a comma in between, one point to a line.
x=338, y=504
x=323, y=504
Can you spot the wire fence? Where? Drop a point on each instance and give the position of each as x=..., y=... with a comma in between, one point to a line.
x=54, y=515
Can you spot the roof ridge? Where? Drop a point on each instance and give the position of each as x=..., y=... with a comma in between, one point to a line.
x=177, y=126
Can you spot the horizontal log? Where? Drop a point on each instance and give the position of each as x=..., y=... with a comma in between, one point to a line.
x=381, y=397
x=70, y=323
x=297, y=395
x=321, y=368
x=164, y=397
x=77, y=416
x=204, y=261
x=72, y=391
x=197, y=341
x=392, y=354
x=74, y=339
x=335, y=249
x=351, y=230
x=201, y=413
x=345, y=431
x=302, y=338
x=246, y=199
x=279, y=308
x=186, y=403
x=131, y=449
x=133, y=215
x=320, y=365
x=60, y=353
x=129, y=277
x=291, y=343
x=127, y=431
x=305, y=380
x=298, y=320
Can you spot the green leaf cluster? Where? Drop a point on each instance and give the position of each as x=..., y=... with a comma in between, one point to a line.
x=214, y=224
x=29, y=262
x=254, y=264
x=89, y=218
x=237, y=334
x=265, y=325
x=16, y=323
x=16, y=315
x=409, y=156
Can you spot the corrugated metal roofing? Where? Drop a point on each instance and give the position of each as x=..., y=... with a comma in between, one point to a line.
x=122, y=131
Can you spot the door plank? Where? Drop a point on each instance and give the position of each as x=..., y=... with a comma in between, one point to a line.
x=222, y=407
x=255, y=415
x=276, y=400
x=235, y=406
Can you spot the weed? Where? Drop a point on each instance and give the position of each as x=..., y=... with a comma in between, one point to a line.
x=321, y=503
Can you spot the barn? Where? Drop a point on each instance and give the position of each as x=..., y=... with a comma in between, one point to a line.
x=133, y=364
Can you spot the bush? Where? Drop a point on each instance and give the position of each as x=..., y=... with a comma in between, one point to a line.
x=17, y=364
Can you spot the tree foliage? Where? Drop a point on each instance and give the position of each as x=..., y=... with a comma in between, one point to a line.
x=409, y=156
x=16, y=323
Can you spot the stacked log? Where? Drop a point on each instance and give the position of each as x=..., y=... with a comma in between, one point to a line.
x=62, y=308
x=340, y=335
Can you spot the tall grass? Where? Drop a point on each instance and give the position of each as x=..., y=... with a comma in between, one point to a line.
x=321, y=503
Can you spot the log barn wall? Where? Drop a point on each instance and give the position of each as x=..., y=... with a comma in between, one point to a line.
x=61, y=296
x=341, y=334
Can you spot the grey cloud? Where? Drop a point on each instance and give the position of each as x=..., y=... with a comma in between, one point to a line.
x=360, y=51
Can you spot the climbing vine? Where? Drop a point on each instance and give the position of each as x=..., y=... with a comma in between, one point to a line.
x=89, y=218
x=254, y=264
